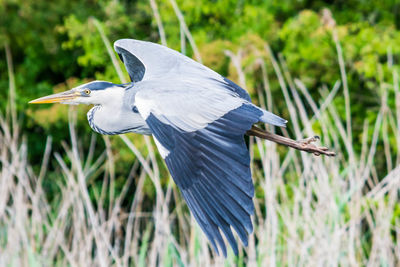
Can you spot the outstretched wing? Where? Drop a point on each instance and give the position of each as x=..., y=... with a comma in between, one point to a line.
x=198, y=127
x=147, y=61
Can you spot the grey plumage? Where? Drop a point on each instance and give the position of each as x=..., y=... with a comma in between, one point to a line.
x=189, y=107
x=198, y=119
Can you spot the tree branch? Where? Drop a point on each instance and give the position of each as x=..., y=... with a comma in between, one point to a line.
x=303, y=145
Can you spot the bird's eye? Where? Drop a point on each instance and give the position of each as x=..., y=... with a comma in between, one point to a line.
x=87, y=92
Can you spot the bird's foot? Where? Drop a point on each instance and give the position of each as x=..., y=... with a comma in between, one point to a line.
x=308, y=140
x=303, y=145
x=308, y=146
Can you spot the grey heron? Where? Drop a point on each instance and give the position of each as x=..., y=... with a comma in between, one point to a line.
x=198, y=120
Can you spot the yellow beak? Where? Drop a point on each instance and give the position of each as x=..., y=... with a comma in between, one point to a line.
x=57, y=98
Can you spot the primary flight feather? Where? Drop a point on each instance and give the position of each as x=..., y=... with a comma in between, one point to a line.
x=198, y=120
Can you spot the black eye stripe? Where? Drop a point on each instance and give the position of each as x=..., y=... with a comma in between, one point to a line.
x=97, y=85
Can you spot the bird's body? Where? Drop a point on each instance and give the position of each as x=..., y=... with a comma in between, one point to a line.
x=198, y=120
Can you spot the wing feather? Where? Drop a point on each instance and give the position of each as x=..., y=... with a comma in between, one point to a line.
x=198, y=120
x=146, y=60
x=202, y=139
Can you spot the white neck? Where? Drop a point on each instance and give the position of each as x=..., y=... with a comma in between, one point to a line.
x=116, y=117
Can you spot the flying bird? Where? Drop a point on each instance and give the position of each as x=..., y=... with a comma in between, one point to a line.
x=198, y=120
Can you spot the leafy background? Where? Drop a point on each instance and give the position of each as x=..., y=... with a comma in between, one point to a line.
x=317, y=45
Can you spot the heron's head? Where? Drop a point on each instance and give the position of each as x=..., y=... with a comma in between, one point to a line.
x=96, y=93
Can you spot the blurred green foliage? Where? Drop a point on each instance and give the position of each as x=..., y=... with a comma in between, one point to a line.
x=55, y=46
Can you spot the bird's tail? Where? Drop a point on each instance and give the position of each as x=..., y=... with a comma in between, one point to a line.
x=271, y=118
